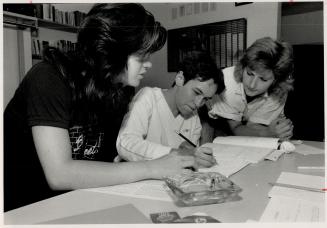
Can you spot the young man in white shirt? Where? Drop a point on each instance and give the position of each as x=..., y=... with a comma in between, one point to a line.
x=150, y=128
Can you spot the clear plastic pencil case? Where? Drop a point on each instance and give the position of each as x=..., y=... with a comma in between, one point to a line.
x=199, y=188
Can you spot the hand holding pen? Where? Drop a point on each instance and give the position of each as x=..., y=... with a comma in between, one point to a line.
x=203, y=155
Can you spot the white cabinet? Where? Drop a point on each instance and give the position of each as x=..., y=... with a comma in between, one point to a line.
x=17, y=56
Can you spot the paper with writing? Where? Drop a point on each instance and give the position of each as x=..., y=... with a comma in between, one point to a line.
x=295, y=205
x=283, y=209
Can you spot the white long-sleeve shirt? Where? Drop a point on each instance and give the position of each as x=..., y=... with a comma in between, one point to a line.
x=149, y=128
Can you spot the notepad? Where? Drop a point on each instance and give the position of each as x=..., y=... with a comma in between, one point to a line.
x=288, y=204
x=125, y=214
x=283, y=209
x=309, y=181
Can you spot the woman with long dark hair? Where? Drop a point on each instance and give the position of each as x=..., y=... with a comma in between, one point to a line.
x=68, y=110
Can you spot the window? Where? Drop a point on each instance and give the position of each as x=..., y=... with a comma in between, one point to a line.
x=225, y=41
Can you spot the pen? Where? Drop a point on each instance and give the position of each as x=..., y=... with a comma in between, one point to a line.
x=298, y=187
x=186, y=139
x=189, y=141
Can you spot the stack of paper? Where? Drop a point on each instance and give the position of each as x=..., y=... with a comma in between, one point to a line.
x=293, y=204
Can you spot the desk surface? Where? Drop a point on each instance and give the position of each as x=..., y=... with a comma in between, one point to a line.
x=253, y=179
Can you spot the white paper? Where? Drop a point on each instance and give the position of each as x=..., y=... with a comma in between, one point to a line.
x=298, y=179
x=296, y=205
x=232, y=152
x=310, y=181
x=148, y=189
x=273, y=156
x=281, y=209
x=294, y=193
x=227, y=167
x=262, y=142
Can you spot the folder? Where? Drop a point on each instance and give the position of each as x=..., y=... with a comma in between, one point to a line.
x=125, y=214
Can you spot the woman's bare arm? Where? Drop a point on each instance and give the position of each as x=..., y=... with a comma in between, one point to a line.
x=63, y=173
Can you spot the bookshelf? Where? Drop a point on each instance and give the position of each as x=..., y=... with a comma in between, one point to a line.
x=57, y=26
x=22, y=25
x=43, y=20
x=34, y=22
x=19, y=20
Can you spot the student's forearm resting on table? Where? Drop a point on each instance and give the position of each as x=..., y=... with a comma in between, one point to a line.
x=249, y=129
x=64, y=173
x=284, y=130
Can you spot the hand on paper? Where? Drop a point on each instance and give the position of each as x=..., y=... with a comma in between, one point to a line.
x=282, y=128
x=172, y=163
x=204, y=157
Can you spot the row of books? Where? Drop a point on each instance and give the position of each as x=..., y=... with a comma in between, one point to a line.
x=48, y=12
x=39, y=45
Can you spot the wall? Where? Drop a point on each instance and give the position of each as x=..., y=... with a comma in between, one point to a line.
x=304, y=28
x=262, y=20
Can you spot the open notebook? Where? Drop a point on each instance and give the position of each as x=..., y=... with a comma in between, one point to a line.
x=235, y=152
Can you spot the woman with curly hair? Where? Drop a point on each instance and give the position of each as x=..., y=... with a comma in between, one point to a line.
x=256, y=91
x=68, y=110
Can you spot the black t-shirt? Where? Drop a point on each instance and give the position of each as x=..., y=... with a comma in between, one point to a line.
x=43, y=98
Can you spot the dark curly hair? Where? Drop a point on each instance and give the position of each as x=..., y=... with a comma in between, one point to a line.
x=109, y=34
x=199, y=65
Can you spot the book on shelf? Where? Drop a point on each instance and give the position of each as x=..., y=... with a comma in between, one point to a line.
x=39, y=45
x=50, y=13
x=24, y=9
x=47, y=11
x=36, y=47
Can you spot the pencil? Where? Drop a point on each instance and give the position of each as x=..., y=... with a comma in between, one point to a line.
x=298, y=187
x=186, y=139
